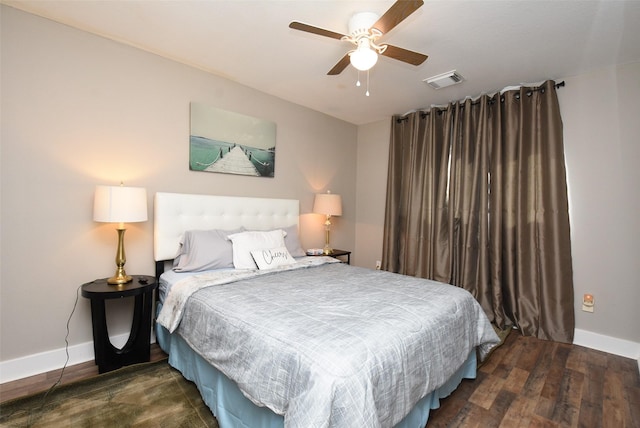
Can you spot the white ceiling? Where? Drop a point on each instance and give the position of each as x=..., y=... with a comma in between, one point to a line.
x=493, y=44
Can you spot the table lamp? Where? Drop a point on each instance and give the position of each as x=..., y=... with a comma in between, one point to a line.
x=120, y=204
x=328, y=204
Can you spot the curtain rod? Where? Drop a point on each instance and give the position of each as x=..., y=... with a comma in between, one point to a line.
x=424, y=114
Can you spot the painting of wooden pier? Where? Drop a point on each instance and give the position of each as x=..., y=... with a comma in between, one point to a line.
x=227, y=142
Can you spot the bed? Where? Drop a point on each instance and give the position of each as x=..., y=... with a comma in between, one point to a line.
x=274, y=338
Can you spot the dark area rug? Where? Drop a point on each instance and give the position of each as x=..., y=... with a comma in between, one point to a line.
x=142, y=395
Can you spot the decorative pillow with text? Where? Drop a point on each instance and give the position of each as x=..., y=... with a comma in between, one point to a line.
x=270, y=258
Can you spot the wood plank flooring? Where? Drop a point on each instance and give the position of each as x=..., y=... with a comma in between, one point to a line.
x=535, y=383
x=525, y=383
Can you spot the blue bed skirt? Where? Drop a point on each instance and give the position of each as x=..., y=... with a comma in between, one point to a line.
x=233, y=410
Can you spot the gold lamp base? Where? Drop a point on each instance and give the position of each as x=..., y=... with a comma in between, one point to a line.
x=327, y=250
x=120, y=276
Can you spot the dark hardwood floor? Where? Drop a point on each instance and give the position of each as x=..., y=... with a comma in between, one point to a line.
x=535, y=383
x=525, y=383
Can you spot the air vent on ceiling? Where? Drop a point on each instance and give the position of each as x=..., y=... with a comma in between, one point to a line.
x=445, y=79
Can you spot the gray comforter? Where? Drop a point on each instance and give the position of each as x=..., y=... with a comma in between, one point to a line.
x=336, y=345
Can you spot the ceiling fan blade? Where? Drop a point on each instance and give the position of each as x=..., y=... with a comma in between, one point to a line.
x=404, y=55
x=315, y=30
x=396, y=14
x=340, y=66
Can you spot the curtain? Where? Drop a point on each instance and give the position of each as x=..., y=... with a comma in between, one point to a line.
x=477, y=197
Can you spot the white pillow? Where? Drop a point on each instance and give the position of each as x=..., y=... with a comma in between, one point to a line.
x=270, y=258
x=245, y=242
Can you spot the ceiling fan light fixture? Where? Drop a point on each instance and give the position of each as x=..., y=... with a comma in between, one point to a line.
x=363, y=58
x=365, y=29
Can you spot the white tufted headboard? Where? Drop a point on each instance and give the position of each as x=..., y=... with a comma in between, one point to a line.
x=175, y=213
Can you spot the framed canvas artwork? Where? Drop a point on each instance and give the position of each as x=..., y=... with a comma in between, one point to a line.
x=231, y=143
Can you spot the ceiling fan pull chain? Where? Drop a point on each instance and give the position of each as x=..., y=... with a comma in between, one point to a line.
x=367, y=93
x=358, y=81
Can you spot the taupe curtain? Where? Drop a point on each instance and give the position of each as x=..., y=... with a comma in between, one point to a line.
x=477, y=197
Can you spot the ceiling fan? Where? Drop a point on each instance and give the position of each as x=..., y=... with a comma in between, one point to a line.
x=364, y=30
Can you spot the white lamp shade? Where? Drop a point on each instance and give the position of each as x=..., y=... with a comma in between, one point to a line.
x=119, y=204
x=327, y=204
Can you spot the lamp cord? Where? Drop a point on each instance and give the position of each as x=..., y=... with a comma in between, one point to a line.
x=66, y=350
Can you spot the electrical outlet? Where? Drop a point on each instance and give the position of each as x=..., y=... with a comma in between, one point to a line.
x=378, y=264
x=588, y=302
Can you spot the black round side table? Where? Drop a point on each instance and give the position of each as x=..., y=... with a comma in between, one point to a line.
x=137, y=348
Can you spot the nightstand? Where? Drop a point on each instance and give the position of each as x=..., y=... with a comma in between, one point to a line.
x=137, y=348
x=337, y=254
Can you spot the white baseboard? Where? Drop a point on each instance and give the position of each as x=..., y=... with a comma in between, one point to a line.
x=612, y=345
x=53, y=360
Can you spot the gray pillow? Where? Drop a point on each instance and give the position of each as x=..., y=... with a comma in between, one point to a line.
x=205, y=250
x=292, y=241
